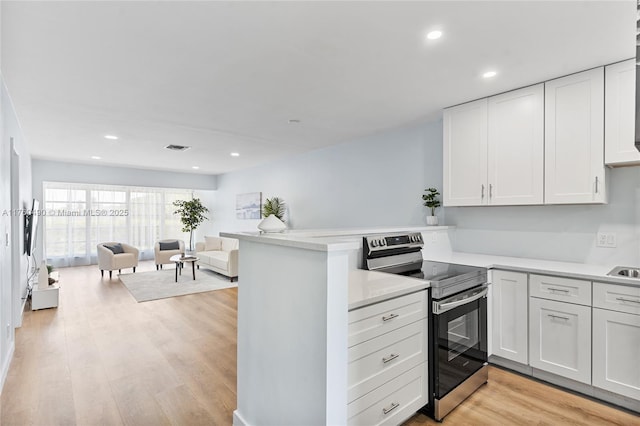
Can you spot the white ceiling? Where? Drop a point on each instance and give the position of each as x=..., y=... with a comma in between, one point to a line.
x=227, y=76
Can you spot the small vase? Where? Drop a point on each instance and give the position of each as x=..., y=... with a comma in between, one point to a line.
x=432, y=220
x=272, y=224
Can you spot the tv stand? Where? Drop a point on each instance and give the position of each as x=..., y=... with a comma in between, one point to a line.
x=43, y=295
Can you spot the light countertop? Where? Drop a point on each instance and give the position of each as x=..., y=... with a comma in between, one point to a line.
x=368, y=287
x=548, y=267
x=324, y=239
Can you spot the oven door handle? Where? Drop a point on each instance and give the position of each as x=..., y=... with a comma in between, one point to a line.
x=440, y=308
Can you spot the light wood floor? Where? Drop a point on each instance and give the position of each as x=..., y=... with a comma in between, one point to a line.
x=100, y=358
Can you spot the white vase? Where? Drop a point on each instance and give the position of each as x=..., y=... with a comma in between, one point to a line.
x=272, y=224
x=432, y=220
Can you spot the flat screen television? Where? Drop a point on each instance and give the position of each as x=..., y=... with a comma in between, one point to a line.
x=30, y=227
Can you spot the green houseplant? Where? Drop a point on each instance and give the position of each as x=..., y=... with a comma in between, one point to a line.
x=274, y=206
x=191, y=215
x=431, y=201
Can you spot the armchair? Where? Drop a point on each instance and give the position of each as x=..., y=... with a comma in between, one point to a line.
x=110, y=261
x=164, y=249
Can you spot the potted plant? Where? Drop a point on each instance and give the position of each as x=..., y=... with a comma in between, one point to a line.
x=273, y=213
x=191, y=215
x=50, y=269
x=431, y=201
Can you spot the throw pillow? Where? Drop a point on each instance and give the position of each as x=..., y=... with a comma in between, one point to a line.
x=170, y=245
x=116, y=248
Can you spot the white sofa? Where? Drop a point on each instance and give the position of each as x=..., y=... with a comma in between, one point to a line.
x=219, y=254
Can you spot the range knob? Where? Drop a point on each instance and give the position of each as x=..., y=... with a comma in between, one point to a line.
x=374, y=243
x=383, y=242
x=412, y=238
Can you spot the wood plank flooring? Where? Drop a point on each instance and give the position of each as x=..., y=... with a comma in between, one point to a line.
x=101, y=358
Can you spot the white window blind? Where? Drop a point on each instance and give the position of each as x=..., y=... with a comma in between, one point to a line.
x=79, y=216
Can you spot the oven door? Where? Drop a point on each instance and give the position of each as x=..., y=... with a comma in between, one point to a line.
x=460, y=332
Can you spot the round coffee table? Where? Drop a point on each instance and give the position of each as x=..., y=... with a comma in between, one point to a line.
x=179, y=260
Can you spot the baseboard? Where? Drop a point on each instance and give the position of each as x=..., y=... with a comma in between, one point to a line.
x=6, y=365
x=238, y=420
x=511, y=365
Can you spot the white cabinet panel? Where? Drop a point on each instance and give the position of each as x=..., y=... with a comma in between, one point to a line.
x=516, y=147
x=616, y=352
x=465, y=154
x=620, y=298
x=560, y=338
x=574, y=139
x=561, y=289
x=619, y=119
x=509, y=315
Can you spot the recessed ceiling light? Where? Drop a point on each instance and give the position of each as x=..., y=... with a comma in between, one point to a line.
x=489, y=74
x=111, y=137
x=434, y=35
x=195, y=167
x=95, y=157
x=235, y=154
x=294, y=121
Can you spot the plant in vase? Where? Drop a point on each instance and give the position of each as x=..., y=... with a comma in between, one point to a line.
x=273, y=213
x=50, y=269
x=431, y=200
x=191, y=215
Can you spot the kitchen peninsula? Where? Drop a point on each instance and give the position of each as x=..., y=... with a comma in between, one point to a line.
x=294, y=293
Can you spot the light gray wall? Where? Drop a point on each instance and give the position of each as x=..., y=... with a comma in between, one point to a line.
x=54, y=171
x=374, y=181
x=564, y=233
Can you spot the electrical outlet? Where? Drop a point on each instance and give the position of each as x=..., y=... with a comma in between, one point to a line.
x=434, y=237
x=606, y=239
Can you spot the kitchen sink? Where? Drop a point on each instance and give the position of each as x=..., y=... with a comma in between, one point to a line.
x=625, y=271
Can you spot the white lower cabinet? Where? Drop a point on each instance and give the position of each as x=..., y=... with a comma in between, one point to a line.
x=560, y=338
x=616, y=337
x=509, y=315
x=387, y=370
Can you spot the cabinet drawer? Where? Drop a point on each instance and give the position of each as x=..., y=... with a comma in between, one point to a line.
x=379, y=360
x=620, y=298
x=380, y=318
x=560, y=289
x=393, y=402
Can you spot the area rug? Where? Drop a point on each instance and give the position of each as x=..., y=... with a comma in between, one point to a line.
x=145, y=286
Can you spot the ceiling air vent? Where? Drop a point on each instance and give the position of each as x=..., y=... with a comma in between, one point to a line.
x=177, y=147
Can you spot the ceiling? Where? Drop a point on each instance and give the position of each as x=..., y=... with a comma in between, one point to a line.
x=226, y=77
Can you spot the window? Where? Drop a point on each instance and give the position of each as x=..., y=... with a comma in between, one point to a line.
x=79, y=216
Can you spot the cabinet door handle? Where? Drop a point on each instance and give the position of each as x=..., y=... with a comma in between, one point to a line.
x=622, y=299
x=389, y=358
x=558, y=317
x=389, y=317
x=596, y=184
x=390, y=408
x=490, y=190
x=558, y=289
x=482, y=191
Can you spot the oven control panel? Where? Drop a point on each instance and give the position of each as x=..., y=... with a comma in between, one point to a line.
x=388, y=242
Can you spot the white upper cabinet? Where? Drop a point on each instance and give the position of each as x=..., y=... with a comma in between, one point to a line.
x=574, y=139
x=619, y=119
x=516, y=147
x=465, y=154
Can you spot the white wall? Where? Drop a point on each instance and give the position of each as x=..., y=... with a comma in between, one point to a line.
x=13, y=279
x=565, y=233
x=54, y=171
x=374, y=181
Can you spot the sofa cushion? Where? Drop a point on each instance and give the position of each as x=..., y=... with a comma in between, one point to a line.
x=212, y=243
x=216, y=258
x=169, y=245
x=229, y=244
x=116, y=248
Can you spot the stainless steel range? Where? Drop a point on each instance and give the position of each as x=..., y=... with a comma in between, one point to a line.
x=457, y=316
